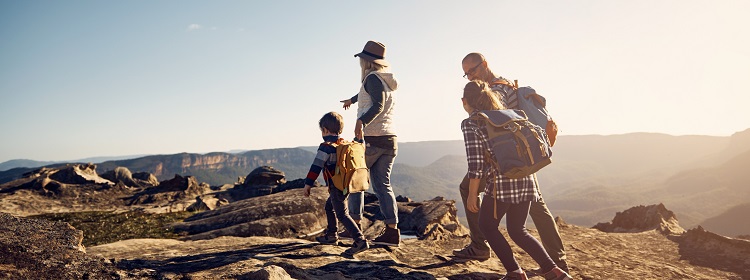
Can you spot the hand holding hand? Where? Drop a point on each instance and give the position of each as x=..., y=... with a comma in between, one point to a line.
x=347, y=103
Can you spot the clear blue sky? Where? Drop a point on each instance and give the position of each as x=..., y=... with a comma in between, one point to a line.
x=103, y=78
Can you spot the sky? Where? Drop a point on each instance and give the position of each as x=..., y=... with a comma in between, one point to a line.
x=112, y=78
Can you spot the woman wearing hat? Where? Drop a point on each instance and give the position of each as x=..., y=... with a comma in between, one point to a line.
x=375, y=126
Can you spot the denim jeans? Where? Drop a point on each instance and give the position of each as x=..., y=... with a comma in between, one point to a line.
x=380, y=163
x=336, y=212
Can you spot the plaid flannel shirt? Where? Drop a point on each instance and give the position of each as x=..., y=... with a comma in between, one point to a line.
x=501, y=188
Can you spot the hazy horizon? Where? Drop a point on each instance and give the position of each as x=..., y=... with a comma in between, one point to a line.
x=86, y=79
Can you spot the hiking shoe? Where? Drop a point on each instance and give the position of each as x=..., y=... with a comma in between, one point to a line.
x=515, y=276
x=327, y=239
x=357, y=247
x=557, y=274
x=472, y=252
x=389, y=237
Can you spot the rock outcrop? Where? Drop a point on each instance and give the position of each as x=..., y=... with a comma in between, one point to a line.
x=65, y=181
x=290, y=214
x=40, y=249
x=179, y=193
x=643, y=218
x=72, y=187
x=285, y=214
x=124, y=176
x=729, y=253
x=262, y=181
x=592, y=254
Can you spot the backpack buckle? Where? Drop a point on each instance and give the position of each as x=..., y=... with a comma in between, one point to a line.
x=513, y=127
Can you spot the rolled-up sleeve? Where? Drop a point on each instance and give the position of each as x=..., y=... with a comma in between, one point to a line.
x=474, y=148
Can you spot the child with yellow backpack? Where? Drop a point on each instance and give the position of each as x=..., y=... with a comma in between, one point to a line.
x=344, y=171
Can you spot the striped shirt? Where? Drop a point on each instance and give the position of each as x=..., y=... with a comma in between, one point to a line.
x=325, y=158
x=505, y=92
x=502, y=188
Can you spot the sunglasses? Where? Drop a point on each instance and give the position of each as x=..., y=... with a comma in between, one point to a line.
x=472, y=69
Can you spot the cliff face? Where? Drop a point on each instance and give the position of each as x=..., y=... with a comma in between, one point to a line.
x=216, y=168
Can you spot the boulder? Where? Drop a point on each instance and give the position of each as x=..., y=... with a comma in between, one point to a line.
x=146, y=177
x=286, y=214
x=265, y=175
x=402, y=198
x=271, y=272
x=290, y=214
x=78, y=174
x=725, y=252
x=643, y=218
x=123, y=175
x=262, y=181
x=40, y=249
x=177, y=189
x=294, y=184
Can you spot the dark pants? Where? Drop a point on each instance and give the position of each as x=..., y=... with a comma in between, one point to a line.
x=336, y=207
x=477, y=238
x=516, y=222
x=540, y=214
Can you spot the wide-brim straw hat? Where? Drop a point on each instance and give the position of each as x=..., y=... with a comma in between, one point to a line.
x=374, y=52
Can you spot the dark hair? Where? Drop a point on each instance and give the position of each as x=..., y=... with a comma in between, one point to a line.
x=480, y=96
x=333, y=122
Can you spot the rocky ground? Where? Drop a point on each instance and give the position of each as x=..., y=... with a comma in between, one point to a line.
x=267, y=236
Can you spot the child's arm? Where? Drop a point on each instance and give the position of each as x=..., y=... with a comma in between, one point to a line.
x=318, y=164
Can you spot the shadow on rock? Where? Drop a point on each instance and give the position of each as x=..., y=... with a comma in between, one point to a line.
x=354, y=270
x=207, y=261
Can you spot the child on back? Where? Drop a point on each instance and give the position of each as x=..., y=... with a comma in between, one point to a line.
x=331, y=125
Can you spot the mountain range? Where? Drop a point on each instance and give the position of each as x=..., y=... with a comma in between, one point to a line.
x=701, y=178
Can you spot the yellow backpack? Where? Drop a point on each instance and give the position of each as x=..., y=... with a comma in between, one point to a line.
x=351, y=174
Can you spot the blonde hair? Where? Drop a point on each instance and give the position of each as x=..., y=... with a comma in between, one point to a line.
x=480, y=96
x=369, y=66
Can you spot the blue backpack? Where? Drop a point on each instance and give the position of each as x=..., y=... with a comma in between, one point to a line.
x=534, y=105
x=521, y=147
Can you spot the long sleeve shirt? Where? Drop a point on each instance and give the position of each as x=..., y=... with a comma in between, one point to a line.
x=373, y=87
x=501, y=188
x=324, y=158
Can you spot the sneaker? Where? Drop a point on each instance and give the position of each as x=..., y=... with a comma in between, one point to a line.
x=327, y=239
x=357, y=247
x=471, y=252
x=389, y=237
x=515, y=276
x=557, y=274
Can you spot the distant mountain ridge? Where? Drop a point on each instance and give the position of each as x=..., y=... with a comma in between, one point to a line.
x=27, y=163
x=591, y=177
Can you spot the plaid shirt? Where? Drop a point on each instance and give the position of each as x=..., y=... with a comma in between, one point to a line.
x=502, y=188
